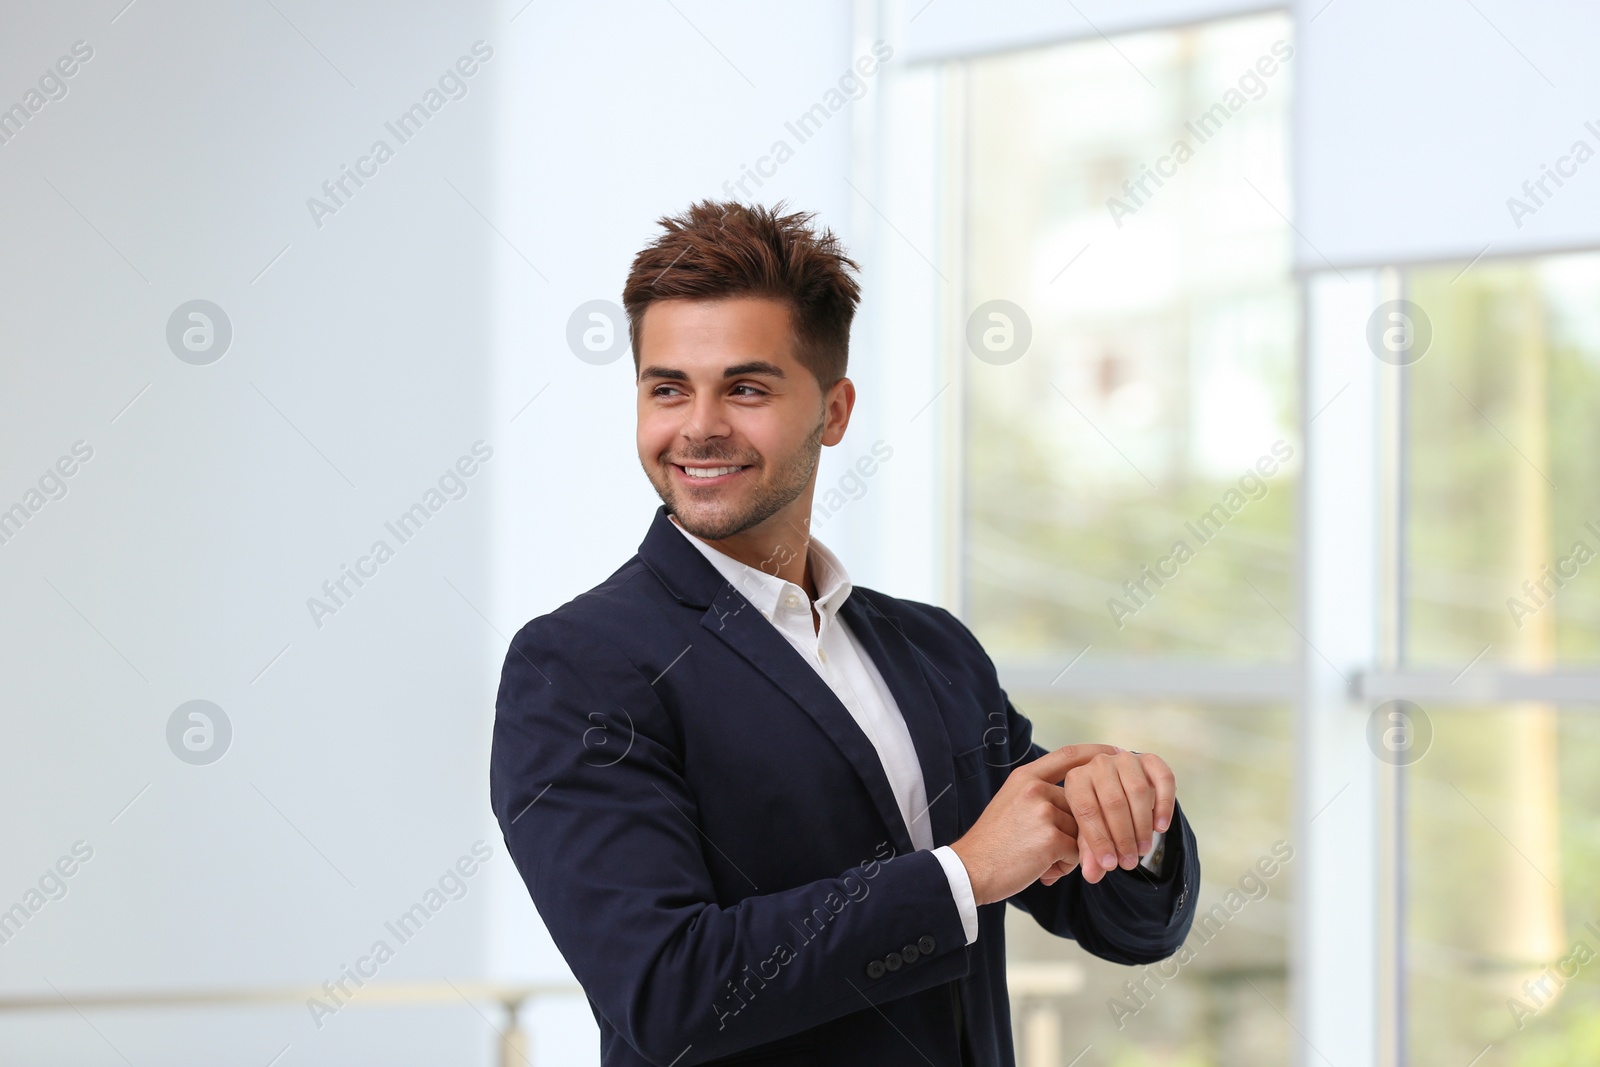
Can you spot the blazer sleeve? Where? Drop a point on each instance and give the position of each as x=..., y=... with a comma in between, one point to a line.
x=587, y=783
x=1128, y=917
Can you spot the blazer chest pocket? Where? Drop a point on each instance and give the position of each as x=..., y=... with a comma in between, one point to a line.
x=970, y=762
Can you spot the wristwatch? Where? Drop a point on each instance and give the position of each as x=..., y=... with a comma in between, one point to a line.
x=1154, y=860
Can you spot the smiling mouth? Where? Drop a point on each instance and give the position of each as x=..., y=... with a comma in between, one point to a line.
x=710, y=474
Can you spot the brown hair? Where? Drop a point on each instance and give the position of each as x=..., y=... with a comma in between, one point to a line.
x=724, y=248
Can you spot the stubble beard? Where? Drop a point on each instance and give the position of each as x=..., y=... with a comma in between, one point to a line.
x=717, y=523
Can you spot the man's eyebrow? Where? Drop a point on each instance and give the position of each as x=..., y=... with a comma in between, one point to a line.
x=757, y=366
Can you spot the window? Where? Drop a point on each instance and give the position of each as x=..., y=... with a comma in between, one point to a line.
x=1503, y=461
x=1130, y=478
x=1502, y=870
x=1116, y=471
x=1139, y=369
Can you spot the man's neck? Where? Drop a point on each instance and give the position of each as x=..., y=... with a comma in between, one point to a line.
x=783, y=551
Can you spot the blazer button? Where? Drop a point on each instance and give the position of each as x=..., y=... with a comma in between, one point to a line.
x=893, y=961
x=875, y=969
x=925, y=944
x=910, y=953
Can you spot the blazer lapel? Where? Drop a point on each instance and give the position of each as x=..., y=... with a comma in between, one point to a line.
x=901, y=665
x=742, y=627
x=692, y=579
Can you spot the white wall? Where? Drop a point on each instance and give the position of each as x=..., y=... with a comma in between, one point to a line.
x=364, y=361
x=1417, y=122
x=219, y=498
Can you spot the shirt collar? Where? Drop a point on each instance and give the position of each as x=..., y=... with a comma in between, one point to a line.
x=765, y=591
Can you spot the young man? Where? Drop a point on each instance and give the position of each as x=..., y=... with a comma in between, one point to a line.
x=769, y=816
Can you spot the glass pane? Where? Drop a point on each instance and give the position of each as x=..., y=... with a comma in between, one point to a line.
x=1130, y=475
x=1216, y=1000
x=1504, y=464
x=1503, y=901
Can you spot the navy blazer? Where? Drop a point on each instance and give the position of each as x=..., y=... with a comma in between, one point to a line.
x=714, y=846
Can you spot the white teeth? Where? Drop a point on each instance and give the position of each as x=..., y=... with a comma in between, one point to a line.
x=708, y=472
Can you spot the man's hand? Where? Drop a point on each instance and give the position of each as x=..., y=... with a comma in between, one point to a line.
x=1117, y=798
x=1028, y=828
x=1096, y=803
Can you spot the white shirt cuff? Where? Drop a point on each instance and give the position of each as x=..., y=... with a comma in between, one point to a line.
x=955, y=873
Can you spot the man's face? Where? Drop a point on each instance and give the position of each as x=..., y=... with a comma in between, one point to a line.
x=731, y=423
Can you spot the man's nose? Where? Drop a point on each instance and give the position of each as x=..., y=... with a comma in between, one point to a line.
x=706, y=418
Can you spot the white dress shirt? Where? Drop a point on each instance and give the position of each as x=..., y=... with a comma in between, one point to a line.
x=836, y=655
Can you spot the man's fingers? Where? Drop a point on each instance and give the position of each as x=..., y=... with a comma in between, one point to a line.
x=1053, y=766
x=1092, y=871
x=1059, y=870
x=1141, y=798
x=1066, y=848
x=1166, y=787
x=1111, y=807
x=1115, y=811
x=1067, y=843
x=1094, y=841
x=1055, y=795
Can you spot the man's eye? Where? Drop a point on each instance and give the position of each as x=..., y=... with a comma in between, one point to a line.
x=657, y=391
x=754, y=391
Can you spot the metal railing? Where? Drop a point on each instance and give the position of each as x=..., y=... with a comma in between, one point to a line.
x=1035, y=989
x=516, y=1049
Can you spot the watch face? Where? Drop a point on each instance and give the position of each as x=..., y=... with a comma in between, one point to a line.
x=1152, y=861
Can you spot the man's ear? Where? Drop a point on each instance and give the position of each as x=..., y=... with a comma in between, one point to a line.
x=837, y=406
